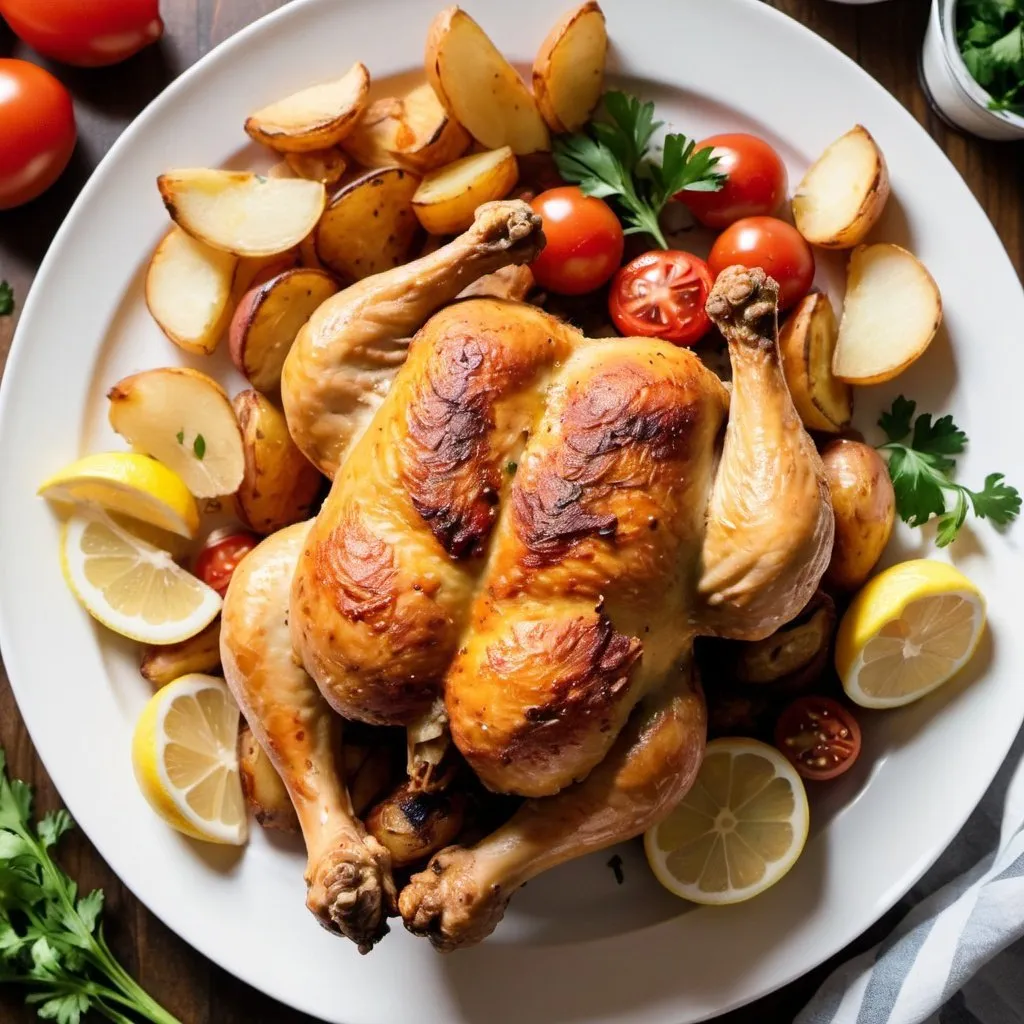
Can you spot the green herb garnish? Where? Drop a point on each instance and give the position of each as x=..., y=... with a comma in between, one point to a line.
x=921, y=471
x=199, y=446
x=51, y=939
x=610, y=161
x=511, y=467
x=6, y=299
x=990, y=34
x=180, y=435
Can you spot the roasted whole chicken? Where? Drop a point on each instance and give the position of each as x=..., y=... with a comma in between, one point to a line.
x=526, y=531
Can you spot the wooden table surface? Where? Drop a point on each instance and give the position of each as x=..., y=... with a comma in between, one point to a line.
x=883, y=39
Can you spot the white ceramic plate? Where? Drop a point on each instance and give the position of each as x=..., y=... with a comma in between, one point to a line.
x=575, y=946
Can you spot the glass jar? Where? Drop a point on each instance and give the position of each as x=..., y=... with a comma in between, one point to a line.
x=952, y=90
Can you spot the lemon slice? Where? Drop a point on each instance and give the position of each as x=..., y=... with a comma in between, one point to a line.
x=130, y=586
x=131, y=484
x=741, y=827
x=908, y=631
x=185, y=756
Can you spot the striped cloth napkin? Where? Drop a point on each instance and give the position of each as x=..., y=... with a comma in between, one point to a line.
x=957, y=957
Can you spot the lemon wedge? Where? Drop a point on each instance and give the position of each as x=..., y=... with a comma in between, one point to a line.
x=185, y=756
x=741, y=827
x=130, y=484
x=130, y=586
x=909, y=630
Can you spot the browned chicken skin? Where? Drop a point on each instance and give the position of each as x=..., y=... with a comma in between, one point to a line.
x=534, y=526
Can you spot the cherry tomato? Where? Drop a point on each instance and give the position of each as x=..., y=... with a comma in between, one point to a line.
x=755, y=187
x=37, y=131
x=819, y=736
x=662, y=295
x=584, y=241
x=773, y=245
x=88, y=33
x=220, y=555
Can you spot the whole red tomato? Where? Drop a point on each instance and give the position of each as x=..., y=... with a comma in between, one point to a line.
x=755, y=186
x=772, y=244
x=37, y=131
x=584, y=241
x=662, y=294
x=221, y=554
x=89, y=33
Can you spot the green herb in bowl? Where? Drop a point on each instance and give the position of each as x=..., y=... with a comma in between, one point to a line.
x=990, y=34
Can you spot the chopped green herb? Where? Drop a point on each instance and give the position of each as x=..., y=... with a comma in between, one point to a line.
x=199, y=446
x=615, y=863
x=261, y=179
x=921, y=474
x=180, y=435
x=6, y=299
x=990, y=34
x=610, y=161
x=511, y=467
x=51, y=939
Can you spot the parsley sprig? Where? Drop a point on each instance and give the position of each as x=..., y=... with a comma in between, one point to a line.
x=51, y=938
x=6, y=299
x=921, y=471
x=990, y=34
x=611, y=160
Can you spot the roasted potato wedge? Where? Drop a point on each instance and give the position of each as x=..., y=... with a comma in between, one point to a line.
x=314, y=118
x=188, y=291
x=446, y=199
x=864, y=504
x=807, y=342
x=479, y=88
x=200, y=653
x=254, y=270
x=324, y=165
x=568, y=73
x=843, y=193
x=183, y=418
x=280, y=485
x=370, y=225
x=793, y=656
x=374, y=777
x=413, y=825
x=267, y=319
x=264, y=791
x=375, y=139
x=245, y=214
x=891, y=313
x=428, y=136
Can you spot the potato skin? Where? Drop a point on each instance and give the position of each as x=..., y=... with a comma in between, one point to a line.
x=864, y=504
x=265, y=793
x=414, y=825
x=201, y=653
x=280, y=485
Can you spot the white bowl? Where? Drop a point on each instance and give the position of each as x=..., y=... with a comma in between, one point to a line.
x=958, y=97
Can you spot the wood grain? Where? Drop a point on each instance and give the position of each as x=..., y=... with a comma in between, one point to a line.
x=884, y=39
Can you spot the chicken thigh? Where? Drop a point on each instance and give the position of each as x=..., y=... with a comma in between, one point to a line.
x=526, y=531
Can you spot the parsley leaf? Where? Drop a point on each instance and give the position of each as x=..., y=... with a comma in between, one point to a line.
x=990, y=34
x=51, y=939
x=610, y=160
x=6, y=299
x=180, y=436
x=199, y=446
x=920, y=472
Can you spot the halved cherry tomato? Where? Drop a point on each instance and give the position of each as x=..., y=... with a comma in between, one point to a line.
x=755, y=186
x=37, y=131
x=662, y=295
x=819, y=736
x=584, y=241
x=773, y=245
x=89, y=33
x=221, y=554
